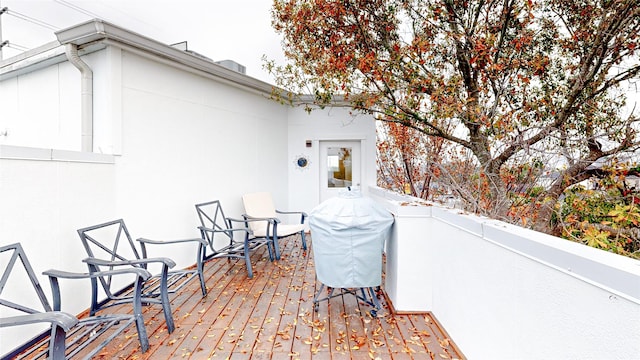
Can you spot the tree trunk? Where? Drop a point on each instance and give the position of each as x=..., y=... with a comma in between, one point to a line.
x=545, y=214
x=573, y=175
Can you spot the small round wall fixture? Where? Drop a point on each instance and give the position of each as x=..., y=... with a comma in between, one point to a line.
x=302, y=162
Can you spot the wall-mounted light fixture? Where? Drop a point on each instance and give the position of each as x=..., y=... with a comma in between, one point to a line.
x=302, y=162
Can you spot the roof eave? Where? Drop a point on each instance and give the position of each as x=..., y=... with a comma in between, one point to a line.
x=96, y=30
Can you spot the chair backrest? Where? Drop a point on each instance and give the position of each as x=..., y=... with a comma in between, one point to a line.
x=258, y=204
x=15, y=295
x=109, y=241
x=212, y=217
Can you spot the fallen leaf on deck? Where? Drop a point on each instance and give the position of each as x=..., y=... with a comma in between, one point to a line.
x=358, y=340
x=445, y=343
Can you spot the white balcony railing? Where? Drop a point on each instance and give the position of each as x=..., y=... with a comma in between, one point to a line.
x=504, y=292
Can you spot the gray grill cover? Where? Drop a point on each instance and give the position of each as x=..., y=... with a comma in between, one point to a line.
x=348, y=234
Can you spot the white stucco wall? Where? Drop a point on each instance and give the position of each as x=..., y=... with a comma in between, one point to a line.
x=43, y=203
x=503, y=292
x=187, y=139
x=166, y=136
x=38, y=110
x=179, y=138
x=331, y=123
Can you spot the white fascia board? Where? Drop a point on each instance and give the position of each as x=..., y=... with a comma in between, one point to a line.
x=93, y=31
x=32, y=60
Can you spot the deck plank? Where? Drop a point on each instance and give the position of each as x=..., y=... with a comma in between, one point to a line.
x=271, y=317
x=252, y=314
x=291, y=308
x=305, y=345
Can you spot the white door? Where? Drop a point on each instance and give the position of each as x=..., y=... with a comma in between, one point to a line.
x=339, y=167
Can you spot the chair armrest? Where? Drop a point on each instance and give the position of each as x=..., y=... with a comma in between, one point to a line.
x=100, y=262
x=303, y=214
x=238, y=220
x=144, y=274
x=160, y=242
x=62, y=319
x=143, y=245
x=54, y=275
x=292, y=212
x=249, y=218
x=227, y=231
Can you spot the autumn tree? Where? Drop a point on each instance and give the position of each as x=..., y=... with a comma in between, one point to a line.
x=606, y=212
x=410, y=163
x=511, y=81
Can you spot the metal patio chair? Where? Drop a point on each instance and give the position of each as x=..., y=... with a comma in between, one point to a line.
x=109, y=245
x=227, y=237
x=68, y=337
x=260, y=206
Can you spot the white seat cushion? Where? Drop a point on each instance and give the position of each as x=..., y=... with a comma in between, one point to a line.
x=260, y=205
x=283, y=229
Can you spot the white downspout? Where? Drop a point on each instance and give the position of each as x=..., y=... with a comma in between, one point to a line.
x=87, y=97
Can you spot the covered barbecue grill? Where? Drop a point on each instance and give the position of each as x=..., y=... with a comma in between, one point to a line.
x=349, y=232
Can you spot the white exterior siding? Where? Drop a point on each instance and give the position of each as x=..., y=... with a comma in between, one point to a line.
x=42, y=204
x=187, y=139
x=179, y=139
x=39, y=109
x=319, y=125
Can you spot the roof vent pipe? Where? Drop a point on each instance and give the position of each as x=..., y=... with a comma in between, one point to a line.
x=86, y=93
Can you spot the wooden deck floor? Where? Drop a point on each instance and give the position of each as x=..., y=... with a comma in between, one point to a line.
x=271, y=317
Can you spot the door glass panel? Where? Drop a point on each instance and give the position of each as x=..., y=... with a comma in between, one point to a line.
x=339, y=167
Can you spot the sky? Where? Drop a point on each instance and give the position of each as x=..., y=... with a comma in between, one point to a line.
x=238, y=30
